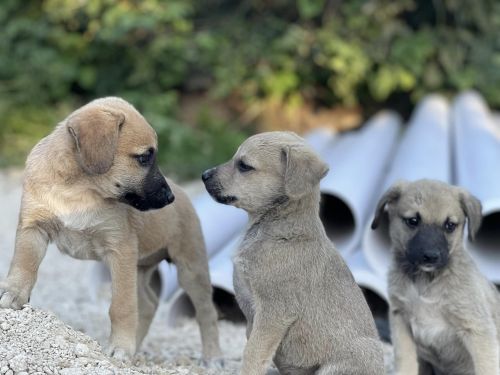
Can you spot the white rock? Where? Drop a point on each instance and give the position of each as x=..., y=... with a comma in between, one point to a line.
x=72, y=371
x=81, y=350
x=18, y=363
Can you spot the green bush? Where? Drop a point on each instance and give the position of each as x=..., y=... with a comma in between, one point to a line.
x=58, y=54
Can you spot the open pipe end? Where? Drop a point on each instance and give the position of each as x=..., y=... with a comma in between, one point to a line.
x=488, y=236
x=485, y=249
x=380, y=311
x=224, y=301
x=338, y=219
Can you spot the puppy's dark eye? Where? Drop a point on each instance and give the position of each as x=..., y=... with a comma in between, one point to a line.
x=243, y=167
x=449, y=226
x=412, y=222
x=146, y=158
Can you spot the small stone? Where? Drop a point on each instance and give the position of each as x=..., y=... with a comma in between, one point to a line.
x=183, y=361
x=72, y=371
x=9, y=372
x=18, y=363
x=5, y=326
x=81, y=350
x=4, y=369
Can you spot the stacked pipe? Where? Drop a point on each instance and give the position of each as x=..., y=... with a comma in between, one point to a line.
x=476, y=161
x=357, y=163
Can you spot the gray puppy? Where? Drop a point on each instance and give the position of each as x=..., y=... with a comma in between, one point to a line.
x=445, y=315
x=301, y=302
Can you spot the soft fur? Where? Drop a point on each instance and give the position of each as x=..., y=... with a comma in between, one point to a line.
x=445, y=315
x=86, y=190
x=301, y=302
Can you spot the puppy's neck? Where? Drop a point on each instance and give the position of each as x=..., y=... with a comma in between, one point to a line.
x=287, y=215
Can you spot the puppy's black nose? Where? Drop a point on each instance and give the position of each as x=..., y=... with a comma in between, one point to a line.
x=208, y=174
x=430, y=257
x=170, y=196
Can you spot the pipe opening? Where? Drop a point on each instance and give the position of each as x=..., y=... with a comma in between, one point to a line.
x=337, y=219
x=380, y=311
x=224, y=301
x=488, y=236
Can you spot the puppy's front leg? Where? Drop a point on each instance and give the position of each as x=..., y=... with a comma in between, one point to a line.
x=405, y=352
x=31, y=245
x=269, y=328
x=123, y=311
x=483, y=346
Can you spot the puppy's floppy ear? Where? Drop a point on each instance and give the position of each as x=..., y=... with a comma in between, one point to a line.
x=95, y=132
x=303, y=170
x=473, y=210
x=389, y=196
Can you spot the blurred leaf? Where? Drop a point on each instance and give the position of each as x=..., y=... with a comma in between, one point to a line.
x=310, y=8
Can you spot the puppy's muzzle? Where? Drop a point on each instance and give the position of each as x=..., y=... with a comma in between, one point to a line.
x=208, y=174
x=428, y=249
x=214, y=188
x=156, y=194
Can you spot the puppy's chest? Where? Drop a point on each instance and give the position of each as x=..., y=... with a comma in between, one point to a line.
x=84, y=236
x=427, y=322
x=84, y=244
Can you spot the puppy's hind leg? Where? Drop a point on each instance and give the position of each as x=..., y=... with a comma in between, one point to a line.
x=148, y=293
x=364, y=356
x=195, y=280
x=342, y=369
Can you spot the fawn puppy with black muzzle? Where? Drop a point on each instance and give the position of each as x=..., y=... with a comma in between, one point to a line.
x=94, y=188
x=444, y=314
x=300, y=300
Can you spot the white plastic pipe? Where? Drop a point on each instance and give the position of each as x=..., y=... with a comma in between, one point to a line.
x=321, y=139
x=424, y=152
x=477, y=168
x=357, y=161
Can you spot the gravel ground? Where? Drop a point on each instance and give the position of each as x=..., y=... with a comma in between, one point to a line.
x=66, y=326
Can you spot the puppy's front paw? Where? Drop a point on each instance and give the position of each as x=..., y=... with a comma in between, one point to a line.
x=213, y=363
x=119, y=354
x=11, y=297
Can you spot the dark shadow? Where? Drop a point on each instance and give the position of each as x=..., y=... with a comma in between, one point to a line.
x=380, y=311
x=337, y=219
x=225, y=304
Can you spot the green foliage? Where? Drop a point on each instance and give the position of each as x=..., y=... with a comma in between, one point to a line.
x=58, y=54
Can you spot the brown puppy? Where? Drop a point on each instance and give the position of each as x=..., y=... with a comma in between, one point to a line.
x=93, y=187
